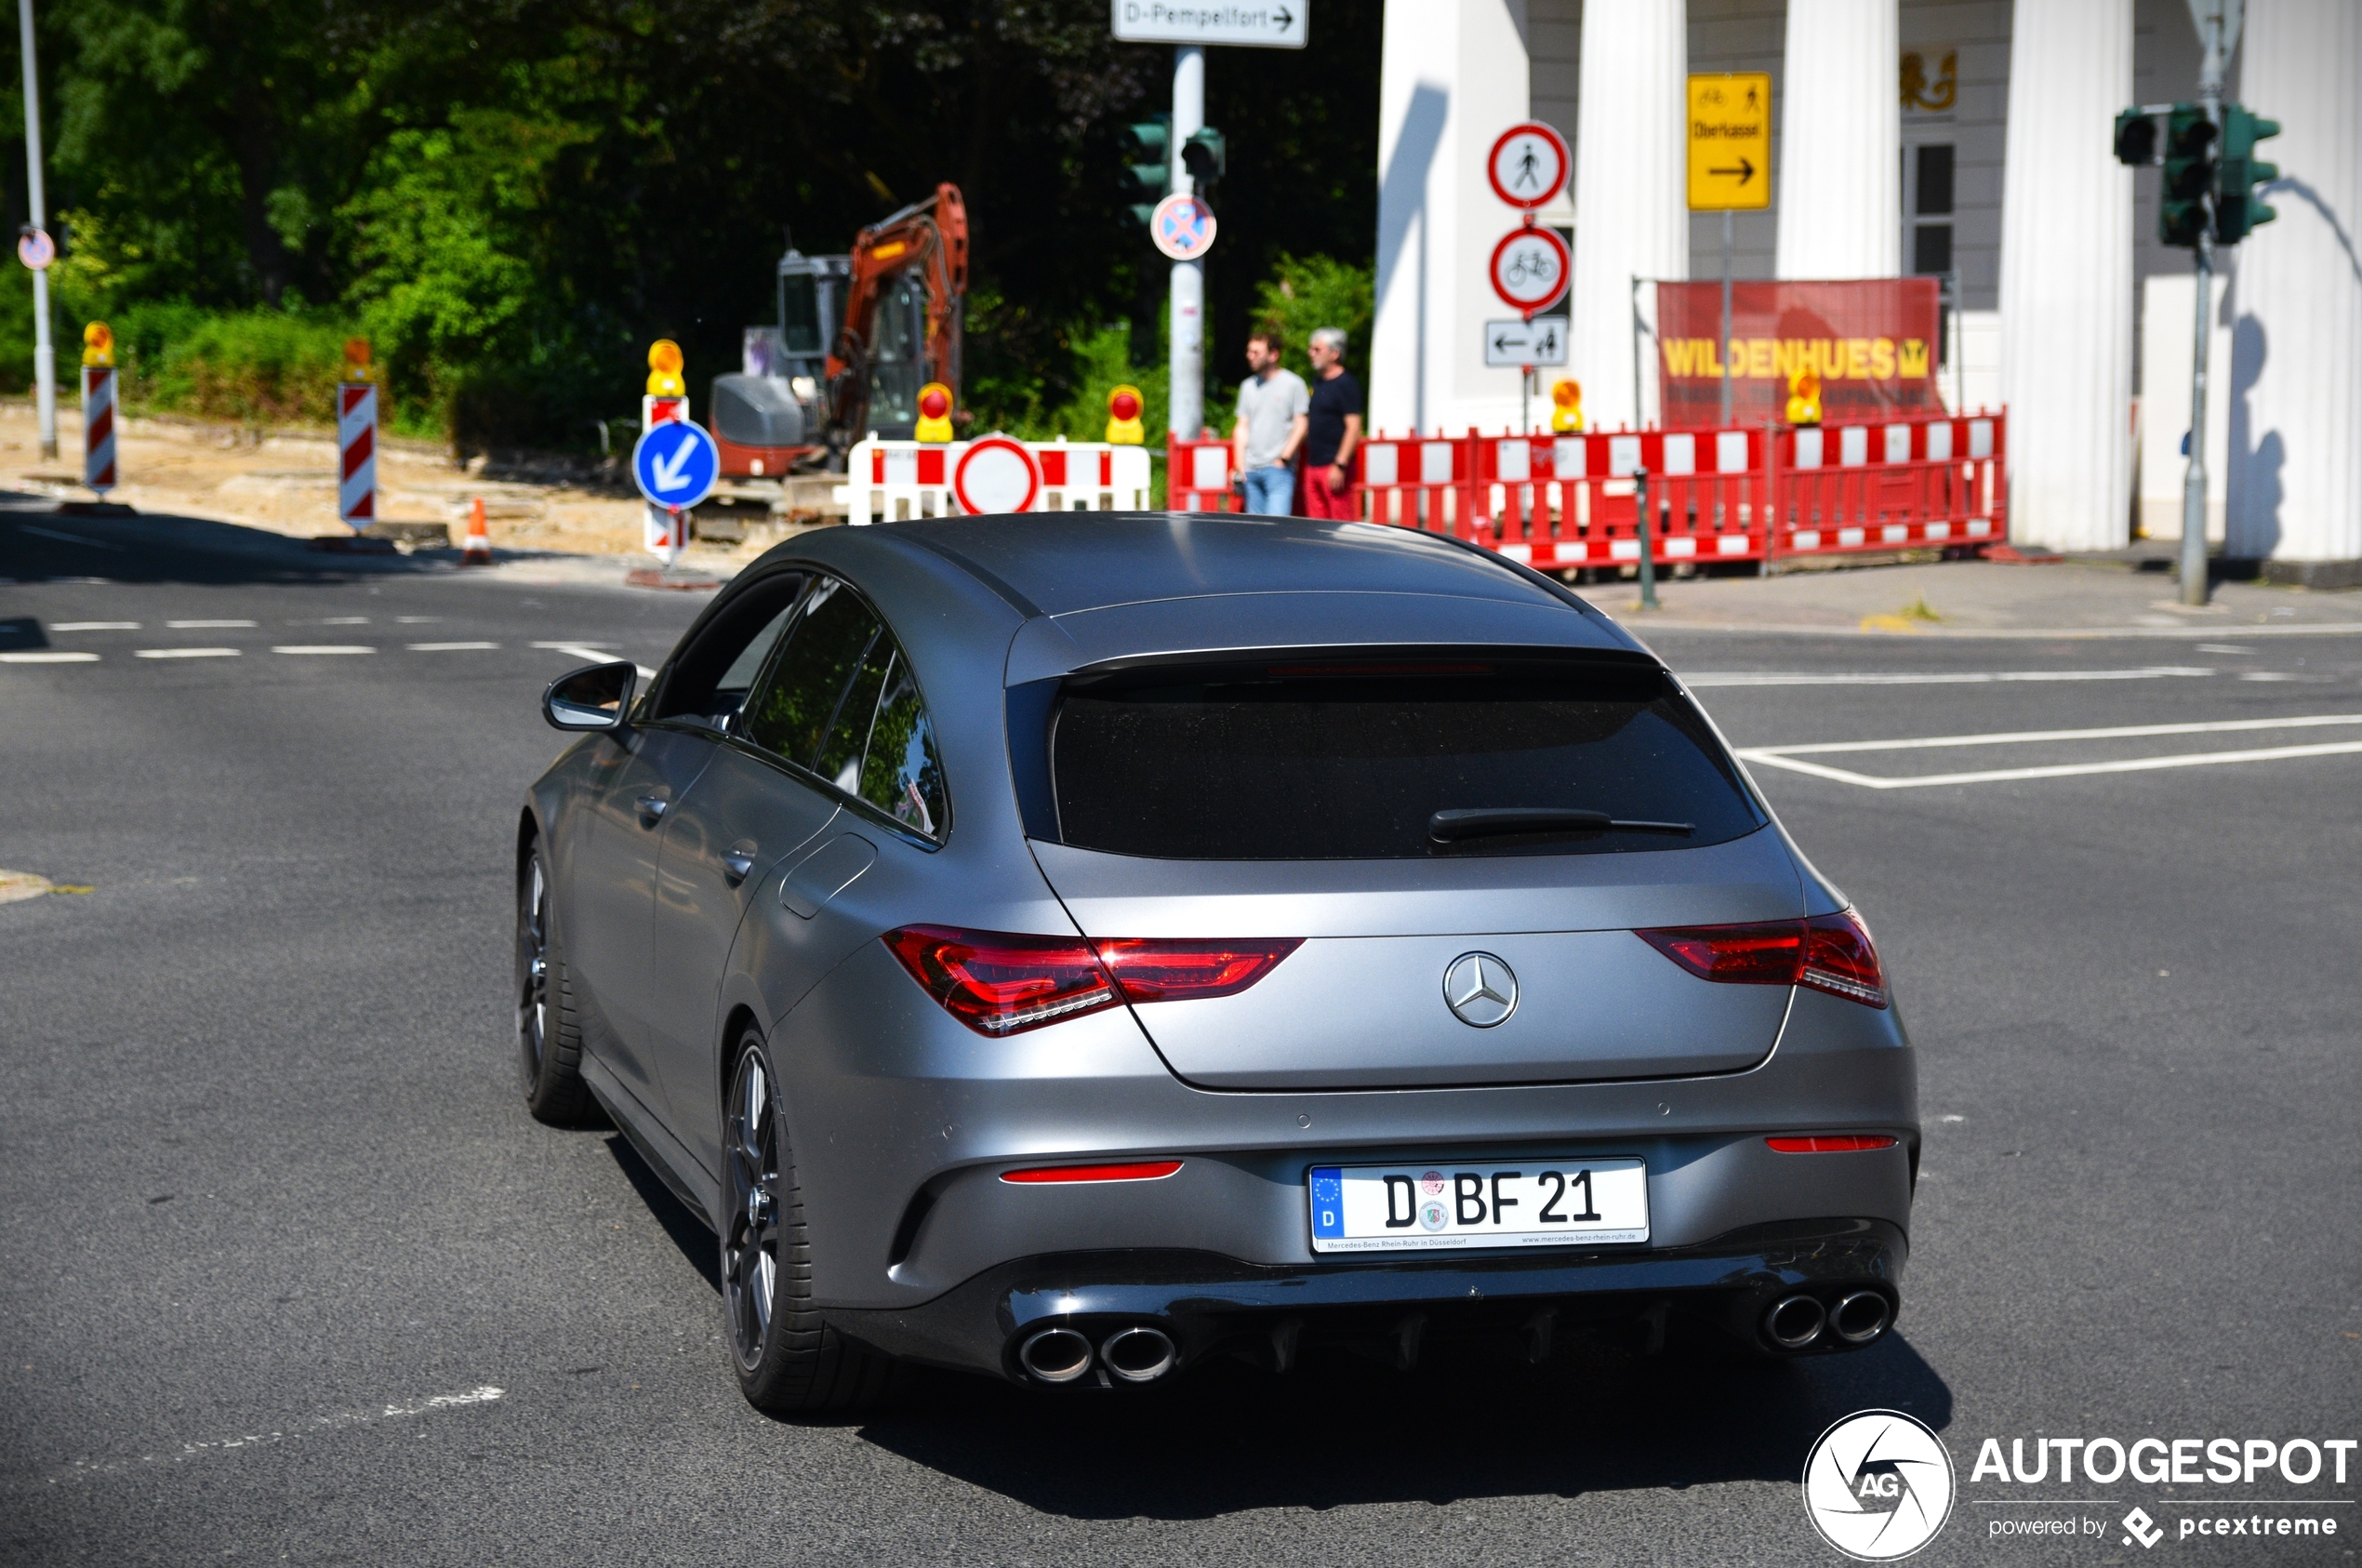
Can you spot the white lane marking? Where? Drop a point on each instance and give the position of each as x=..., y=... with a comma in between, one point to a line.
x=345, y=620
x=1790, y=757
x=70, y=538
x=94, y=626
x=48, y=657
x=2267, y=675
x=184, y=653
x=451, y=647
x=2019, y=736
x=321, y=649
x=592, y=651
x=2222, y=647
x=1961, y=678
x=416, y=620
x=485, y=1394
x=192, y=624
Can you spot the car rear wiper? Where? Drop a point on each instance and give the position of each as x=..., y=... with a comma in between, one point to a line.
x=1447, y=827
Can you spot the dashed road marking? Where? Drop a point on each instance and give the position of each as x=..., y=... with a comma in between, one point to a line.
x=184, y=653
x=94, y=626
x=48, y=657
x=323, y=648
x=432, y=1404
x=1791, y=757
x=453, y=647
x=595, y=654
x=198, y=625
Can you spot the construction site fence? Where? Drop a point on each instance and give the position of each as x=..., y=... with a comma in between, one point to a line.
x=1569, y=501
x=887, y=481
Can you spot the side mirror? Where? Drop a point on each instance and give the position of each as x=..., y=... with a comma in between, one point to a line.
x=593, y=698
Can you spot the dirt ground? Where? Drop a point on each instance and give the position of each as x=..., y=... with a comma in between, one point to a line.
x=286, y=481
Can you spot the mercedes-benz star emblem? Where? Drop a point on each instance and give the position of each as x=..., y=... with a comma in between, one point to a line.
x=1481, y=990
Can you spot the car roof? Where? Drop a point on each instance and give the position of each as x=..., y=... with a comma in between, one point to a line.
x=1061, y=563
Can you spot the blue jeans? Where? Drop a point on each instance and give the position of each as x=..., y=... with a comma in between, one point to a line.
x=1271, y=491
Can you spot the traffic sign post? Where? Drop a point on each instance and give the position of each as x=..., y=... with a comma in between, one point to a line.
x=1525, y=343
x=1285, y=25
x=1730, y=165
x=676, y=465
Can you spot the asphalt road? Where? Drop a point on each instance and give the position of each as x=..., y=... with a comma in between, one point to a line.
x=288, y=1273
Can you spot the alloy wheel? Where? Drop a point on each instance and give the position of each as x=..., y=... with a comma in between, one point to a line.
x=751, y=1249
x=533, y=978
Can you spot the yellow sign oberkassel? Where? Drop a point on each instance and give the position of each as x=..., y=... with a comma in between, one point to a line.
x=1729, y=142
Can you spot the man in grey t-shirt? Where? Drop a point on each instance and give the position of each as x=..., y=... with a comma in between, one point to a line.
x=1273, y=405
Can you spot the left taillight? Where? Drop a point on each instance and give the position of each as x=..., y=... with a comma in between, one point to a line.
x=999, y=983
x=1831, y=953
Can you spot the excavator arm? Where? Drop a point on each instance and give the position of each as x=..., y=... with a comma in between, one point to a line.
x=928, y=241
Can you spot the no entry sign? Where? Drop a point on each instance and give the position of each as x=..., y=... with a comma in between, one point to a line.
x=996, y=474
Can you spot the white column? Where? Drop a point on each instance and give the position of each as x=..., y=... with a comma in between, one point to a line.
x=2295, y=382
x=1454, y=77
x=1839, y=186
x=1631, y=215
x=2066, y=275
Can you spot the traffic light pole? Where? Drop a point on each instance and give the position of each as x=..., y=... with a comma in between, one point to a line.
x=1184, y=397
x=2208, y=14
x=44, y=355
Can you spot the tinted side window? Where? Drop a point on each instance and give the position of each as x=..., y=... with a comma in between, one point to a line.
x=901, y=775
x=708, y=680
x=797, y=707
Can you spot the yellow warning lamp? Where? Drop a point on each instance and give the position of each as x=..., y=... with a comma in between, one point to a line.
x=98, y=344
x=1123, y=417
x=664, y=369
x=1804, y=398
x=1566, y=407
x=357, y=365
x=935, y=412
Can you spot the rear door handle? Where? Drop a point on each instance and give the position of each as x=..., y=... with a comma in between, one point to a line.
x=737, y=861
x=652, y=809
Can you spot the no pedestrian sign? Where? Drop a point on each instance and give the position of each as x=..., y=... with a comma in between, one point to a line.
x=1528, y=164
x=1729, y=142
x=1284, y=24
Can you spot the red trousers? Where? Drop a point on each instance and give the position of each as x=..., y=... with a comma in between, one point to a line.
x=1342, y=506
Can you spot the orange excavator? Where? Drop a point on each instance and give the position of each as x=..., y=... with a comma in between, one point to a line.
x=858, y=336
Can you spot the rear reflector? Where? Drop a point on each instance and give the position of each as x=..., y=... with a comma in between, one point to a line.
x=1832, y=1143
x=1147, y=1169
x=1001, y=985
x=1830, y=953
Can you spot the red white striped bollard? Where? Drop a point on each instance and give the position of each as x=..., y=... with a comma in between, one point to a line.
x=98, y=428
x=356, y=454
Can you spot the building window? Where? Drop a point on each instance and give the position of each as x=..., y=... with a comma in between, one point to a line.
x=1927, y=197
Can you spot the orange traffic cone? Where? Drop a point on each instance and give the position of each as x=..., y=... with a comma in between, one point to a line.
x=479, y=549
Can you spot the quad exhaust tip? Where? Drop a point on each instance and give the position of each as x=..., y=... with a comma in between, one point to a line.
x=1139, y=1354
x=1859, y=1318
x=1794, y=1322
x=1057, y=1355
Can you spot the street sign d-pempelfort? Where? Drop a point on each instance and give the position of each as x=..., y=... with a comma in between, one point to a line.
x=1282, y=24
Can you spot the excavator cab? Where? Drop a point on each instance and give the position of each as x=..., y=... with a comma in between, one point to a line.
x=898, y=356
x=775, y=411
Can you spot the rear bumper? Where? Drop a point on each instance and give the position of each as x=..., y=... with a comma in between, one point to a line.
x=1209, y=1305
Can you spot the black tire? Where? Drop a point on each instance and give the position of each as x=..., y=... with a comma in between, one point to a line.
x=789, y=1361
x=549, y=1029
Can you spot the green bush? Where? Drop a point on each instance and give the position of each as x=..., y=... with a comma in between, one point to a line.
x=1308, y=292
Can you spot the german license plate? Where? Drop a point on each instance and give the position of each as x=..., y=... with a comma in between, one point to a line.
x=1545, y=1203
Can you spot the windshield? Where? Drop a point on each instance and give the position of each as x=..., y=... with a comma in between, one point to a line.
x=1309, y=763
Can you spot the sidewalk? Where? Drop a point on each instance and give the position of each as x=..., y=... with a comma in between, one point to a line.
x=2111, y=597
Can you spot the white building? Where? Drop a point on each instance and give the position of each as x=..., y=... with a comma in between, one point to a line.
x=1967, y=136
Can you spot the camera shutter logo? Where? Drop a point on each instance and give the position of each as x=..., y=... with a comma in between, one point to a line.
x=1878, y=1485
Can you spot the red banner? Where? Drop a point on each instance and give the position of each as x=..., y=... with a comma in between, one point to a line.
x=1871, y=344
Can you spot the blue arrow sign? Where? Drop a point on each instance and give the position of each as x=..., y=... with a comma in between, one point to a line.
x=676, y=464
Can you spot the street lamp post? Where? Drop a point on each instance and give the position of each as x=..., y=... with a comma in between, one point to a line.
x=44, y=354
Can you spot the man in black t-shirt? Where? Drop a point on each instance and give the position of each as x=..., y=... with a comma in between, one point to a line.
x=1333, y=432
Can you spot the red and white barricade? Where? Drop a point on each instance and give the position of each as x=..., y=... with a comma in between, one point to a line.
x=356, y=454
x=1572, y=501
x=98, y=428
x=1907, y=483
x=1197, y=477
x=1419, y=483
x=889, y=481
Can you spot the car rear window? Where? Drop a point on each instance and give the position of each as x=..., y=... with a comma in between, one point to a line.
x=1351, y=762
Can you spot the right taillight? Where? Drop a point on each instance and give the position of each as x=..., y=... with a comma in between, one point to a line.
x=1831, y=953
x=999, y=984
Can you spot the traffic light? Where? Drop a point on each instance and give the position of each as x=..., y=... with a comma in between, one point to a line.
x=2236, y=207
x=2189, y=172
x=2136, y=139
x=1206, y=156
x=1151, y=176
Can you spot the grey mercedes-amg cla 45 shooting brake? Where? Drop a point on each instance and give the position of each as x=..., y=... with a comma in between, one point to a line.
x=1070, y=946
